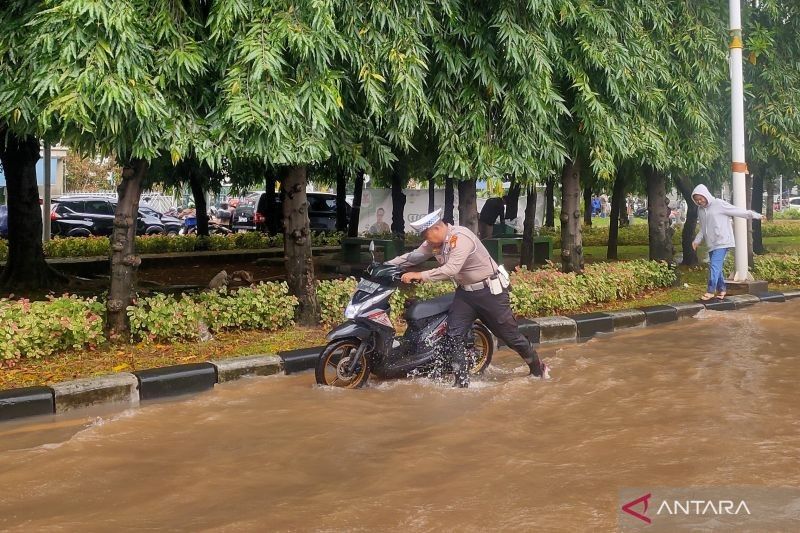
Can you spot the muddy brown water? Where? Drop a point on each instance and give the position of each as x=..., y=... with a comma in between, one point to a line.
x=709, y=401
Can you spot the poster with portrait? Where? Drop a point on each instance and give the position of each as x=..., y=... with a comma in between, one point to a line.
x=376, y=209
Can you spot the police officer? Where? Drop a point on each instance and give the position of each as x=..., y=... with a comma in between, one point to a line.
x=480, y=294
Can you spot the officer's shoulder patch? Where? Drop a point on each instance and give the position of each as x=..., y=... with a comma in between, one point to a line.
x=453, y=241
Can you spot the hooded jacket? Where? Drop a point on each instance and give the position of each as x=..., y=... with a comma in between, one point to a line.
x=716, y=226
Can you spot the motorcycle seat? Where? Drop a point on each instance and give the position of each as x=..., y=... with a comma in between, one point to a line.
x=429, y=308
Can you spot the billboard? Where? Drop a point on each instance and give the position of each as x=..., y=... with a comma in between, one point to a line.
x=377, y=204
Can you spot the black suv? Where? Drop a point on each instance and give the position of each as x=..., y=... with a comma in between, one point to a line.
x=251, y=215
x=85, y=216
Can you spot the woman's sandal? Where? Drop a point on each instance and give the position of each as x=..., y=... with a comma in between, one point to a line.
x=721, y=296
x=706, y=297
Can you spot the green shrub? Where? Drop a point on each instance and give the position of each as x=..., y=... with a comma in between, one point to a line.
x=782, y=269
x=788, y=214
x=635, y=235
x=333, y=238
x=155, y=244
x=333, y=296
x=535, y=293
x=40, y=329
x=778, y=228
x=3, y=250
x=548, y=291
x=422, y=291
x=165, y=317
x=77, y=247
x=265, y=306
x=251, y=240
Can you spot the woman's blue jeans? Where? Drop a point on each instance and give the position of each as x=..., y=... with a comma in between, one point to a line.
x=716, y=280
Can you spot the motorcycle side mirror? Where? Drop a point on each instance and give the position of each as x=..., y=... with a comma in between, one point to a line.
x=372, y=250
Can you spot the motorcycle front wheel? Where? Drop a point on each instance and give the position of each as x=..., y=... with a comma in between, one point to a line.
x=334, y=362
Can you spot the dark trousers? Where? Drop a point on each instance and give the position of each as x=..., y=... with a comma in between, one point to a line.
x=494, y=310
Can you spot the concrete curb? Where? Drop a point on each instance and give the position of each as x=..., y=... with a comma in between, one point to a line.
x=627, y=318
x=687, y=310
x=132, y=388
x=590, y=324
x=254, y=365
x=176, y=380
x=27, y=401
x=557, y=329
x=113, y=388
x=299, y=360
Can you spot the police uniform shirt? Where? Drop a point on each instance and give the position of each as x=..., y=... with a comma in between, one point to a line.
x=462, y=257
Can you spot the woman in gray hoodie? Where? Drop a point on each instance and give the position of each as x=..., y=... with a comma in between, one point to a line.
x=716, y=228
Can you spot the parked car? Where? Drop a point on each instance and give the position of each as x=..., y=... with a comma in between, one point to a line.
x=172, y=225
x=4, y=221
x=253, y=216
x=85, y=216
x=794, y=203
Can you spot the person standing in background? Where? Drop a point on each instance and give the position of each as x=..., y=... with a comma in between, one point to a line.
x=492, y=209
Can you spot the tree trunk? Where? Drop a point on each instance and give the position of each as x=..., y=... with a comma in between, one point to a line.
x=758, y=207
x=660, y=232
x=431, y=194
x=617, y=201
x=512, y=204
x=355, y=212
x=571, y=239
x=297, y=243
x=341, y=201
x=770, y=201
x=449, y=197
x=587, y=207
x=687, y=235
x=398, y=201
x=528, y=228
x=549, y=203
x=273, y=216
x=26, y=268
x=622, y=214
x=124, y=261
x=468, y=205
x=200, y=205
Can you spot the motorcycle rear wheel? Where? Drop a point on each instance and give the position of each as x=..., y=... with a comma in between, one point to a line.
x=335, y=359
x=483, y=349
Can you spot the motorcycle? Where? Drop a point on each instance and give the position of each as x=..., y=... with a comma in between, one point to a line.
x=366, y=343
x=190, y=227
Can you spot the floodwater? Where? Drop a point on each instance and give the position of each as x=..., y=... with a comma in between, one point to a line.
x=709, y=401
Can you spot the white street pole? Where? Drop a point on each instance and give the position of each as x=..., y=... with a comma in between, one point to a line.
x=46, y=203
x=738, y=166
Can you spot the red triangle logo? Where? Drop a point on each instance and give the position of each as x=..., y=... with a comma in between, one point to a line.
x=628, y=508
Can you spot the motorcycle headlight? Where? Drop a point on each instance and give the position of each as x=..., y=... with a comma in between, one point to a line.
x=351, y=311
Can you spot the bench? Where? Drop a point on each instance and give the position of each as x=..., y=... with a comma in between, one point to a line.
x=542, y=248
x=352, y=247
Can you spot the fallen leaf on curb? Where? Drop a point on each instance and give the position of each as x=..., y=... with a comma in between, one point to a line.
x=121, y=367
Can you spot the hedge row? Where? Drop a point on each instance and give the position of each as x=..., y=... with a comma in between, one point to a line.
x=266, y=306
x=100, y=246
x=156, y=244
x=637, y=234
x=39, y=329
x=535, y=293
